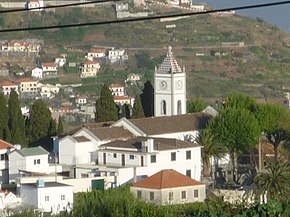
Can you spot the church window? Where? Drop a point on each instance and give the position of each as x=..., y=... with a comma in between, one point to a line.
x=163, y=107
x=179, y=107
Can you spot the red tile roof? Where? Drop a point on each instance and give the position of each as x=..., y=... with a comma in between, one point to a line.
x=5, y=145
x=115, y=85
x=97, y=51
x=167, y=179
x=7, y=83
x=21, y=80
x=48, y=65
x=123, y=97
x=90, y=62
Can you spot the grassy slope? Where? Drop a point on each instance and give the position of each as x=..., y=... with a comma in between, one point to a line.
x=260, y=68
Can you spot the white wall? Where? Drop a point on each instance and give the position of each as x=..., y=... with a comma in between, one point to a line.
x=67, y=151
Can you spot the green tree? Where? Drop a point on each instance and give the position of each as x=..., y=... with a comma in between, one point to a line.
x=275, y=181
x=275, y=123
x=60, y=129
x=106, y=109
x=147, y=99
x=137, y=111
x=40, y=123
x=210, y=148
x=196, y=105
x=16, y=122
x=3, y=116
x=238, y=100
x=237, y=129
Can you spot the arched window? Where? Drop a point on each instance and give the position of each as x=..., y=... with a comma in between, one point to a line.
x=163, y=107
x=179, y=107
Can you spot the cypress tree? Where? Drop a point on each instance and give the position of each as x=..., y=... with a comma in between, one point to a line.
x=106, y=109
x=147, y=99
x=60, y=129
x=3, y=116
x=16, y=122
x=40, y=124
x=137, y=108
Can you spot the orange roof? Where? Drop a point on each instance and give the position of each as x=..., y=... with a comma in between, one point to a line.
x=115, y=85
x=90, y=62
x=21, y=80
x=5, y=145
x=7, y=83
x=97, y=51
x=123, y=97
x=167, y=179
x=48, y=65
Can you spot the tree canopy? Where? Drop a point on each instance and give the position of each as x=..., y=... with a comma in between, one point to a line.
x=196, y=105
x=137, y=111
x=3, y=117
x=40, y=124
x=147, y=99
x=106, y=109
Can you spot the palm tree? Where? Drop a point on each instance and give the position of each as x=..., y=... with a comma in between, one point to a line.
x=210, y=149
x=275, y=181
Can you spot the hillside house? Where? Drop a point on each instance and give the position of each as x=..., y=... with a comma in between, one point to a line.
x=49, y=68
x=117, y=90
x=132, y=77
x=51, y=197
x=48, y=91
x=37, y=73
x=169, y=187
x=7, y=86
x=35, y=5
x=95, y=54
x=20, y=46
x=60, y=61
x=27, y=87
x=117, y=55
x=89, y=69
x=5, y=149
x=121, y=100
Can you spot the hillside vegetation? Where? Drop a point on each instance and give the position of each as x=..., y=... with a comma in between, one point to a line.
x=259, y=68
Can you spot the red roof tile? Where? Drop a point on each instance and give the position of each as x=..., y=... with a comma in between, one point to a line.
x=21, y=80
x=97, y=51
x=123, y=97
x=48, y=65
x=167, y=179
x=115, y=85
x=7, y=83
x=5, y=145
x=90, y=62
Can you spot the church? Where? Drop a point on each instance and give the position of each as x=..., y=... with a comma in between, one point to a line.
x=169, y=87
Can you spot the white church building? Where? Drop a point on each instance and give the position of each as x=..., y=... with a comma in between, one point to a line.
x=169, y=88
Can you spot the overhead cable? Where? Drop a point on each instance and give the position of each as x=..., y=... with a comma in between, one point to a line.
x=129, y=20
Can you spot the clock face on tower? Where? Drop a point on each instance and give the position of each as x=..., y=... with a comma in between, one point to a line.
x=163, y=85
x=178, y=85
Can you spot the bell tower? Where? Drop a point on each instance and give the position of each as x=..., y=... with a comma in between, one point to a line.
x=169, y=87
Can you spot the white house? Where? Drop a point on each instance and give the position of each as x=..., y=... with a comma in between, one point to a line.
x=81, y=100
x=7, y=86
x=121, y=100
x=117, y=55
x=49, y=68
x=117, y=90
x=89, y=69
x=169, y=187
x=60, y=61
x=34, y=5
x=143, y=156
x=48, y=91
x=51, y=197
x=27, y=87
x=37, y=73
x=95, y=54
x=132, y=77
x=5, y=149
x=28, y=161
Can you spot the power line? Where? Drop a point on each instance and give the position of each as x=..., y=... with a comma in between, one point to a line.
x=57, y=6
x=144, y=18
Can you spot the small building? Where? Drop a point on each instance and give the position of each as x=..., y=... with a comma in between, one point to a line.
x=95, y=54
x=27, y=87
x=48, y=91
x=81, y=100
x=49, y=68
x=50, y=197
x=117, y=55
x=35, y=5
x=5, y=149
x=28, y=160
x=37, y=73
x=7, y=86
x=132, y=77
x=60, y=61
x=169, y=187
x=121, y=100
x=117, y=90
x=89, y=69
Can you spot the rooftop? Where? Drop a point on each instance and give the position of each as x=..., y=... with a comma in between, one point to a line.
x=167, y=179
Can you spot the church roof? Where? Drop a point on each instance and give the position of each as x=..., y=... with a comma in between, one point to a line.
x=169, y=64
